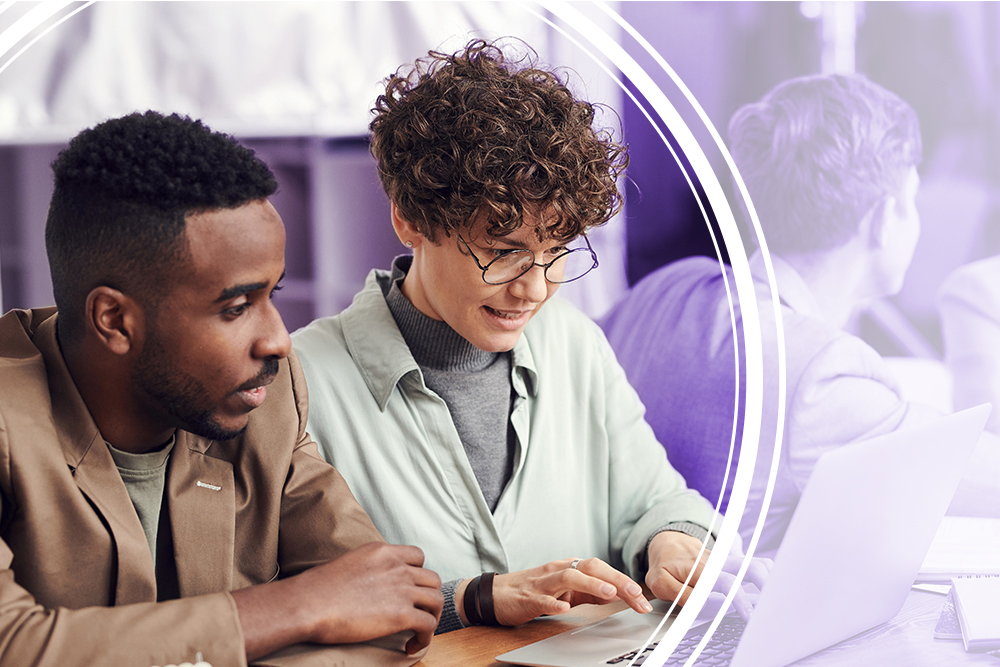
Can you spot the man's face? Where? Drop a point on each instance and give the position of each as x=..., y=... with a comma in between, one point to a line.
x=216, y=338
x=445, y=284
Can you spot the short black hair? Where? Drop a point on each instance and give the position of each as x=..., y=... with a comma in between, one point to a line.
x=122, y=191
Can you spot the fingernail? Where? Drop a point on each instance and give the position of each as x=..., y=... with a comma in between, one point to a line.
x=607, y=590
x=645, y=605
x=633, y=589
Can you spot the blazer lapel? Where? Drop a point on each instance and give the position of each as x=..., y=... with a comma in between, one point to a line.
x=99, y=479
x=96, y=475
x=202, y=504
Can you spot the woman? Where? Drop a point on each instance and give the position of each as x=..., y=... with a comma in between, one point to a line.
x=497, y=435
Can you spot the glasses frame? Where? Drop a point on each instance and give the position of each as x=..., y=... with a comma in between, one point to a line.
x=545, y=267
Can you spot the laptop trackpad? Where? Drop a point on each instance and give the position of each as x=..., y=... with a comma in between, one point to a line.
x=629, y=625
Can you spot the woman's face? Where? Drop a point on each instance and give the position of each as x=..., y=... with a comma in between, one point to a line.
x=445, y=283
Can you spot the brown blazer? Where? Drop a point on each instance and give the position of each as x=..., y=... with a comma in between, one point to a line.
x=77, y=585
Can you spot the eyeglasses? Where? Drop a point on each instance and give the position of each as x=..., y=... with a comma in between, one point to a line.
x=509, y=265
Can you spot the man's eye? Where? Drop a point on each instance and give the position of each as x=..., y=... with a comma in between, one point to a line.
x=499, y=252
x=236, y=311
x=276, y=289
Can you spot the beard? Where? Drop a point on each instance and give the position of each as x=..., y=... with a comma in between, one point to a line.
x=184, y=398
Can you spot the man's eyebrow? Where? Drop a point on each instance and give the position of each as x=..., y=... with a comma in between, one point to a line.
x=240, y=290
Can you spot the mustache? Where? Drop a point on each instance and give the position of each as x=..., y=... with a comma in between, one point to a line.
x=266, y=375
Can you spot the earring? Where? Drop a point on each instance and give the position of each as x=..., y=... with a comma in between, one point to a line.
x=408, y=244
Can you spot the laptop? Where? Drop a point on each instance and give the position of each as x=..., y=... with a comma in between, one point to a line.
x=864, y=522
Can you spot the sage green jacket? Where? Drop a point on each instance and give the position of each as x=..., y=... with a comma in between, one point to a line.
x=590, y=478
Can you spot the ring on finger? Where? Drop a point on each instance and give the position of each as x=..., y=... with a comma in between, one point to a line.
x=576, y=561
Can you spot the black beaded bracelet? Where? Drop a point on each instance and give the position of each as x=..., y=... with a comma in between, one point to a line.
x=486, y=599
x=471, y=602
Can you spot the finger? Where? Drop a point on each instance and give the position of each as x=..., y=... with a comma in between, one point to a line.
x=425, y=578
x=419, y=642
x=699, y=567
x=641, y=604
x=423, y=625
x=625, y=588
x=576, y=582
x=758, y=571
x=666, y=587
x=549, y=606
x=742, y=603
x=409, y=554
x=430, y=600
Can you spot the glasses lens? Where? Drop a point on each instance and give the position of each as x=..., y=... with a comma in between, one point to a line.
x=574, y=264
x=508, y=266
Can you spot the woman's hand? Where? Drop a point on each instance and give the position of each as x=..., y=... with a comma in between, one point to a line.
x=674, y=556
x=555, y=587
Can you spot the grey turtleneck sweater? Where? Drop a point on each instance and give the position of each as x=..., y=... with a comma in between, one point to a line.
x=475, y=384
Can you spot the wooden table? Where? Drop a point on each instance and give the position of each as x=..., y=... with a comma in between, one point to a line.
x=907, y=639
x=479, y=646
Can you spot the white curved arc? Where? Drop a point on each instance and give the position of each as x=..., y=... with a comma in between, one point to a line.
x=744, y=283
x=31, y=20
x=44, y=32
x=712, y=527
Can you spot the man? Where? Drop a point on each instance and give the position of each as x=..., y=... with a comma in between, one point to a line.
x=161, y=499
x=481, y=418
x=830, y=164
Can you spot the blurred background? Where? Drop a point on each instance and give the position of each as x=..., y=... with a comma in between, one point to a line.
x=296, y=81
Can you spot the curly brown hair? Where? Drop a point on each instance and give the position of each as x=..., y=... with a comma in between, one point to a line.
x=475, y=134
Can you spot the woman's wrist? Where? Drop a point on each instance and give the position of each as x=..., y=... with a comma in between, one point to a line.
x=460, y=601
x=474, y=601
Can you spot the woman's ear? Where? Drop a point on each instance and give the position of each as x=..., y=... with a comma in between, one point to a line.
x=405, y=231
x=115, y=319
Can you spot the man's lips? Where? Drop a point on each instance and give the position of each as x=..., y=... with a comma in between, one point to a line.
x=254, y=392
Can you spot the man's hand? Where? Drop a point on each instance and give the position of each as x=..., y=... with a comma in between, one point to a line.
x=672, y=557
x=375, y=590
x=555, y=587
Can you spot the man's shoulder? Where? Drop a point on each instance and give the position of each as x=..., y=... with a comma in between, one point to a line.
x=684, y=308
x=18, y=329
x=23, y=380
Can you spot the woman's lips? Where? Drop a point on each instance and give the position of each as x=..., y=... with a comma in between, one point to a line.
x=508, y=319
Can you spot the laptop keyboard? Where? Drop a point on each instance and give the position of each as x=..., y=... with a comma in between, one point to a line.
x=718, y=652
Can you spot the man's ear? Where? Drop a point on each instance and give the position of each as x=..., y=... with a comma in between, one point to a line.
x=114, y=318
x=407, y=233
x=880, y=222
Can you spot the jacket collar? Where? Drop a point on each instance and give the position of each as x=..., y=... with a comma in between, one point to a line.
x=381, y=354
x=793, y=291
